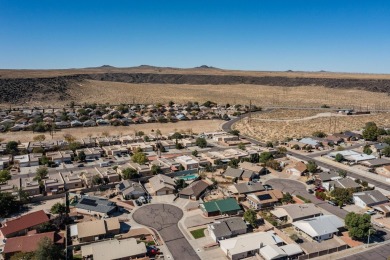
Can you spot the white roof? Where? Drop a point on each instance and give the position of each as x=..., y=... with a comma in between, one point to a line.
x=359, y=157
x=344, y=153
x=272, y=252
x=186, y=159
x=309, y=141
x=73, y=230
x=249, y=242
x=291, y=249
x=319, y=226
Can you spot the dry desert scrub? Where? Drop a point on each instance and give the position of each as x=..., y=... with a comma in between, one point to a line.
x=279, y=130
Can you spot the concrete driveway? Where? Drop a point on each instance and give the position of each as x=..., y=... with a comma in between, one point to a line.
x=164, y=218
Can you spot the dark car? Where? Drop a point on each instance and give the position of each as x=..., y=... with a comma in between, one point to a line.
x=309, y=182
x=310, y=191
x=80, y=165
x=138, y=203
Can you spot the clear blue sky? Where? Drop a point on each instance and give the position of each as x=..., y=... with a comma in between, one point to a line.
x=312, y=35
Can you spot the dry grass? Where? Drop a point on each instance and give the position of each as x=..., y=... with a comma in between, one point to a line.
x=286, y=114
x=198, y=126
x=309, y=96
x=196, y=71
x=278, y=130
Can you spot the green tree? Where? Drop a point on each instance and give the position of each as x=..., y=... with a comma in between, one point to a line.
x=343, y=195
x=74, y=146
x=58, y=208
x=180, y=184
x=139, y=157
x=367, y=150
x=156, y=169
x=201, y=142
x=39, y=138
x=12, y=147
x=241, y=146
x=41, y=173
x=287, y=198
x=48, y=250
x=146, y=138
x=312, y=167
x=129, y=173
x=8, y=204
x=195, y=153
x=234, y=132
x=282, y=150
x=339, y=157
x=342, y=173
x=177, y=135
x=254, y=158
x=23, y=256
x=234, y=163
x=370, y=132
x=295, y=147
x=82, y=156
x=386, y=151
x=5, y=175
x=269, y=144
x=265, y=156
x=358, y=225
x=273, y=164
x=319, y=134
x=97, y=180
x=250, y=216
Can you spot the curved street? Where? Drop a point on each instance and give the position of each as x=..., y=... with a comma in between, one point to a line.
x=165, y=218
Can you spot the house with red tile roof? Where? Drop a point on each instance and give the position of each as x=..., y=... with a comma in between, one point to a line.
x=29, y=243
x=21, y=225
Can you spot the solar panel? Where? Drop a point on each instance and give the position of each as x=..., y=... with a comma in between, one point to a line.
x=88, y=202
x=264, y=197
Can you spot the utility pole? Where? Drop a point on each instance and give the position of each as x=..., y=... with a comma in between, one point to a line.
x=250, y=112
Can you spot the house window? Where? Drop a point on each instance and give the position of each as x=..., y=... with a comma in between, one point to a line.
x=76, y=185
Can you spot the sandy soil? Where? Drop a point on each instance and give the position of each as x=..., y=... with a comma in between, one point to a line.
x=278, y=130
x=198, y=126
x=309, y=96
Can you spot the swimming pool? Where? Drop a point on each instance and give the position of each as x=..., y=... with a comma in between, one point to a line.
x=188, y=177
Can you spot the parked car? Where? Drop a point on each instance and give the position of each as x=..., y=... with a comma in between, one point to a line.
x=138, y=203
x=331, y=202
x=267, y=187
x=80, y=165
x=310, y=191
x=370, y=212
x=309, y=182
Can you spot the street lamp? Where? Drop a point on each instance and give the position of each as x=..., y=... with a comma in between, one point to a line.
x=368, y=239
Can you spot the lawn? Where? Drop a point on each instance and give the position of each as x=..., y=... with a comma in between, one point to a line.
x=198, y=233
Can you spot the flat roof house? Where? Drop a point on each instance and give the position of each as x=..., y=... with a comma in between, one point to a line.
x=227, y=228
x=127, y=248
x=249, y=244
x=21, y=225
x=295, y=212
x=187, y=162
x=72, y=180
x=227, y=206
x=320, y=228
x=194, y=190
x=89, y=231
x=370, y=198
x=95, y=206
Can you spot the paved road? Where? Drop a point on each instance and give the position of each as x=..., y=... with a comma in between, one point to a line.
x=298, y=188
x=164, y=218
x=377, y=253
x=228, y=126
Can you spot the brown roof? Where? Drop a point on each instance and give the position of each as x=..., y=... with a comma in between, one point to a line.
x=29, y=243
x=195, y=189
x=300, y=166
x=24, y=222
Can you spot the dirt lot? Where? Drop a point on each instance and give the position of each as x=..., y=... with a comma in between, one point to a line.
x=278, y=130
x=115, y=92
x=198, y=126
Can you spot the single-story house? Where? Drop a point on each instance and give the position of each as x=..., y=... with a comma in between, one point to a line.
x=233, y=174
x=369, y=198
x=227, y=228
x=127, y=248
x=89, y=231
x=254, y=167
x=130, y=189
x=273, y=252
x=264, y=199
x=95, y=206
x=321, y=227
x=345, y=183
x=297, y=169
x=194, y=190
x=21, y=225
x=161, y=185
x=227, y=206
x=328, y=176
x=296, y=212
x=249, y=244
x=246, y=187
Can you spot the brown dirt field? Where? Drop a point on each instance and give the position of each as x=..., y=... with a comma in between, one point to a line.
x=277, y=131
x=309, y=96
x=198, y=126
x=6, y=73
x=286, y=114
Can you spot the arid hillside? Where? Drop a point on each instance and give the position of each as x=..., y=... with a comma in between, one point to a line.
x=108, y=84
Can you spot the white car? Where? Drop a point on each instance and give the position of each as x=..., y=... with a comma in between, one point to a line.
x=370, y=212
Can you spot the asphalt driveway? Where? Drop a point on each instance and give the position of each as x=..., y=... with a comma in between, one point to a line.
x=164, y=218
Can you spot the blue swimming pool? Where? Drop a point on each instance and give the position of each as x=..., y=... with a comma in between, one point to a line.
x=188, y=177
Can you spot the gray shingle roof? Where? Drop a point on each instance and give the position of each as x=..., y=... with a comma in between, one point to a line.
x=234, y=173
x=371, y=197
x=96, y=204
x=228, y=226
x=248, y=188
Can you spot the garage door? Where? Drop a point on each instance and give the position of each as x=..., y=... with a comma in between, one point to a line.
x=161, y=192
